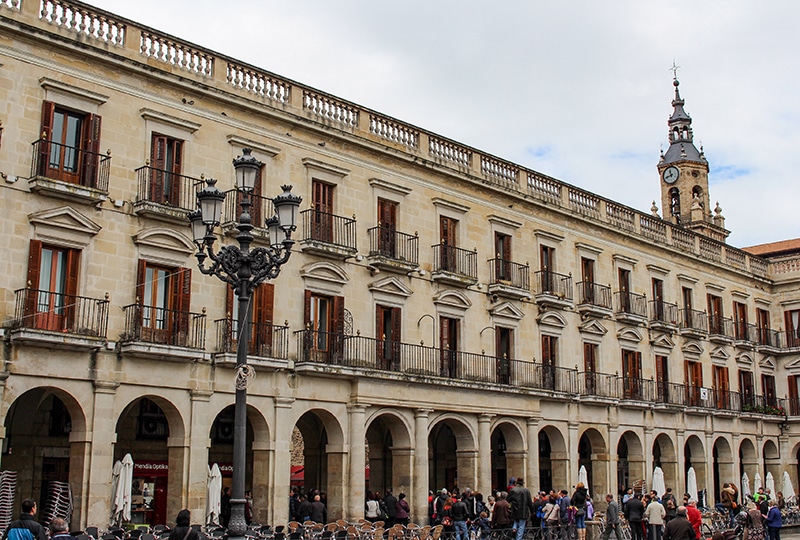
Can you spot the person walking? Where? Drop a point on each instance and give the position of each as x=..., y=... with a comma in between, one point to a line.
x=521, y=506
x=460, y=514
x=391, y=508
x=26, y=527
x=579, y=502
x=679, y=528
x=612, y=518
x=402, y=510
x=654, y=514
x=774, y=521
x=634, y=513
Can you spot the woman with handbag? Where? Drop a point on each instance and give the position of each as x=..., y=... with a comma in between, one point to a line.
x=579, y=502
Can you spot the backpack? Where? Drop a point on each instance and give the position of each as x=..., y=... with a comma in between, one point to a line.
x=540, y=512
x=20, y=533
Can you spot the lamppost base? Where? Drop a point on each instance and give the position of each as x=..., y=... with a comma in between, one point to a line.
x=237, y=526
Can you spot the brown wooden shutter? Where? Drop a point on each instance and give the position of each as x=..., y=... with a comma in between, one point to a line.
x=793, y=397
x=91, y=150
x=337, y=324
x=181, y=299
x=307, y=308
x=264, y=305
x=34, y=269
x=141, y=273
x=158, y=164
x=73, y=271
x=46, y=133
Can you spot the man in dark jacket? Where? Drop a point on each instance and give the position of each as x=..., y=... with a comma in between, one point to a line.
x=679, y=528
x=612, y=518
x=501, y=515
x=391, y=508
x=521, y=506
x=460, y=514
x=27, y=522
x=634, y=513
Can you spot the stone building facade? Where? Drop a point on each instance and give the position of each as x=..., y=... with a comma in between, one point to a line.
x=448, y=318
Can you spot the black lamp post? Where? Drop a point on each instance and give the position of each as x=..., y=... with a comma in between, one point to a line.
x=243, y=269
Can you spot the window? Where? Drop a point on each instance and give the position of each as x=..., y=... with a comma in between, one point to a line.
x=504, y=347
x=662, y=377
x=70, y=145
x=694, y=383
x=166, y=156
x=590, y=368
x=324, y=320
x=740, y=321
x=632, y=374
x=770, y=395
x=260, y=315
x=762, y=320
x=658, y=299
x=387, y=223
x=449, y=244
x=502, y=250
x=624, y=280
x=151, y=423
x=794, y=406
x=448, y=344
x=387, y=330
x=163, y=294
x=747, y=389
x=53, y=285
x=322, y=218
x=675, y=204
x=792, y=328
x=722, y=387
x=715, y=322
x=549, y=354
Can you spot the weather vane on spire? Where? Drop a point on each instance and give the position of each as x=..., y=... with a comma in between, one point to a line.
x=674, y=68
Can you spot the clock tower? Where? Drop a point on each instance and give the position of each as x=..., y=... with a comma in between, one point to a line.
x=683, y=171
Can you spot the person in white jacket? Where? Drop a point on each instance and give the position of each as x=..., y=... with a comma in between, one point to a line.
x=654, y=516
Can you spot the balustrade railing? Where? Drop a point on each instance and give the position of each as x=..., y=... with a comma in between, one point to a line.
x=392, y=244
x=83, y=20
x=510, y=273
x=720, y=326
x=502, y=171
x=594, y=294
x=175, y=53
x=394, y=131
x=56, y=312
x=255, y=82
x=152, y=324
x=546, y=282
x=330, y=108
x=455, y=260
x=692, y=319
x=70, y=164
x=653, y=228
x=663, y=312
x=620, y=216
x=167, y=188
x=266, y=340
x=544, y=187
x=584, y=202
x=630, y=303
x=329, y=228
x=449, y=151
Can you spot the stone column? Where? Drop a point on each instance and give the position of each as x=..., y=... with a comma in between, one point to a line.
x=280, y=462
x=197, y=470
x=402, y=470
x=467, y=468
x=178, y=452
x=337, y=481
x=572, y=457
x=354, y=507
x=680, y=443
x=103, y=429
x=531, y=472
x=260, y=487
x=484, y=484
x=419, y=502
x=80, y=447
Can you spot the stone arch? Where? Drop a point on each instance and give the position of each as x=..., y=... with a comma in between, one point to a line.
x=722, y=466
x=593, y=454
x=695, y=456
x=553, y=458
x=665, y=456
x=390, y=451
x=508, y=452
x=631, y=466
x=772, y=461
x=452, y=441
x=748, y=459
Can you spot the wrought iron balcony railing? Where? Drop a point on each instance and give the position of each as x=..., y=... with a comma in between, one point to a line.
x=261, y=209
x=594, y=294
x=150, y=324
x=663, y=312
x=692, y=319
x=70, y=164
x=266, y=340
x=455, y=260
x=720, y=326
x=44, y=310
x=547, y=282
x=394, y=245
x=168, y=189
x=630, y=303
x=329, y=229
x=510, y=273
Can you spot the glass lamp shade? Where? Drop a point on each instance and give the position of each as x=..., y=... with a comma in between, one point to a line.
x=246, y=167
x=199, y=228
x=211, y=200
x=286, y=205
x=274, y=229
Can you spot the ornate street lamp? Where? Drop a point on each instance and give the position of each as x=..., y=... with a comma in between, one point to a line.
x=243, y=269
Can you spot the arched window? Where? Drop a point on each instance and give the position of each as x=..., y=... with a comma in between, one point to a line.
x=675, y=204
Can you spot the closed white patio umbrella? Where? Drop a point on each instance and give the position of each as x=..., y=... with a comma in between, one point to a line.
x=122, y=495
x=659, y=486
x=757, y=482
x=213, y=500
x=691, y=483
x=745, y=487
x=770, y=487
x=788, y=487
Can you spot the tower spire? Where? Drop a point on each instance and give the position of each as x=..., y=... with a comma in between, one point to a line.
x=681, y=137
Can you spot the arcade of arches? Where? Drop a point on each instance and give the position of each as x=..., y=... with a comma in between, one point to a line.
x=51, y=434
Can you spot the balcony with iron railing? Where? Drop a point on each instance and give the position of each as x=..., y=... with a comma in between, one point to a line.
x=552, y=290
x=393, y=250
x=328, y=235
x=69, y=172
x=165, y=195
x=267, y=341
x=158, y=332
x=261, y=209
x=693, y=323
x=594, y=299
x=769, y=340
x=454, y=265
x=663, y=316
x=745, y=334
x=47, y=318
x=509, y=279
x=630, y=307
x=720, y=329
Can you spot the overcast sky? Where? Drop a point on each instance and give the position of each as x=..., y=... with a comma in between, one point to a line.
x=578, y=90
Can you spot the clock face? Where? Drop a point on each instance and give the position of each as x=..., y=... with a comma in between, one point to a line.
x=671, y=175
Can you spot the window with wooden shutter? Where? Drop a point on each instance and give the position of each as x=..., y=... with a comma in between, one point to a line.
x=52, y=287
x=448, y=345
x=387, y=223
x=322, y=203
x=590, y=368
x=164, y=294
x=166, y=158
x=387, y=321
x=794, y=406
x=747, y=389
x=721, y=387
x=549, y=354
x=792, y=327
x=69, y=148
x=504, y=346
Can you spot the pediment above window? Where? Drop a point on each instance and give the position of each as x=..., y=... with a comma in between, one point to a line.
x=324, y=277
x=663, y=341
x=552, y=319
x=593, y=326
x=720, y=356
x=744, y=360
x=794, y=366
x=452, y=299
x=64, y=226
x=165, y=246
x=391, y=286
x=767, y=363
x=692, y=348
x=629, y=334
x=506, y=311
